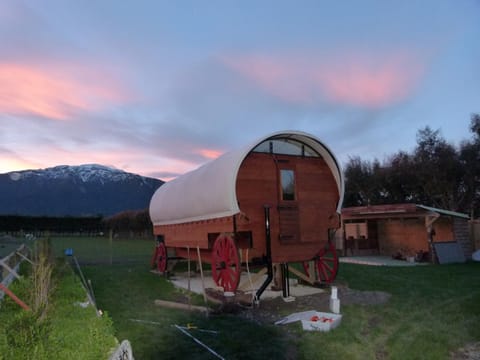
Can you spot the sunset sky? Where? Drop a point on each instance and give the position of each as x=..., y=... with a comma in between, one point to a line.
x=160, y=87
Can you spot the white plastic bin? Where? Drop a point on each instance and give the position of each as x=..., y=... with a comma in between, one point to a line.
x=322, y=321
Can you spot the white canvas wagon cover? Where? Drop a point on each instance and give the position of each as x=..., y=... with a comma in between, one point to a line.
x=208, y=192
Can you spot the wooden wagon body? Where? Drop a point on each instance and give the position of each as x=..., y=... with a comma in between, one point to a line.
x=274, y=201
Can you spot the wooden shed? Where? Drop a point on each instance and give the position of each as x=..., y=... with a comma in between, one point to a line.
x=276, y=200
x=402, y=229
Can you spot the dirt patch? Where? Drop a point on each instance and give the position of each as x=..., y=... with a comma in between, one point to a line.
x=468, y=352
x=357, y=297
x=271, y=310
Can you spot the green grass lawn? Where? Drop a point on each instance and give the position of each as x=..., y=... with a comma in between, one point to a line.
x=433, y=311
x=128, y=292
x=102, y=250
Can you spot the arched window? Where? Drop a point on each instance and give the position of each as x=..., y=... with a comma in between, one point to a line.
x=286, y=146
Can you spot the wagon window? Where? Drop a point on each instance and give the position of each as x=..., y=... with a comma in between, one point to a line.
x=287, y=178
x=286, y=147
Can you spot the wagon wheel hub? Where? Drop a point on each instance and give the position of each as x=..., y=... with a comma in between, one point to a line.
x=160, y=257
x=225, y=263
x=326, y=264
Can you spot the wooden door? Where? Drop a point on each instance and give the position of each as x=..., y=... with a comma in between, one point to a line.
x=288, y=214
x=308, y=198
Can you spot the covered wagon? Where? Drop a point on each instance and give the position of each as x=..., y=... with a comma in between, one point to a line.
x=275, y=201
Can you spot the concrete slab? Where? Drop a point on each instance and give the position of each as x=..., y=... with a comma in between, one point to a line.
x=180, y=280
x=376, y=261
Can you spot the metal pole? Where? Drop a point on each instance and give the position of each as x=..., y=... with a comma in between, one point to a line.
x=285, y=280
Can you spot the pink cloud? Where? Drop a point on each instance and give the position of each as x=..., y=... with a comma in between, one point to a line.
x=210, y=153
x=55, y=91
x=349, y=78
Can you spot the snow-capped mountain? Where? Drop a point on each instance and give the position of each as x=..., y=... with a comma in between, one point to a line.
x=87, y=172
x=74, y=191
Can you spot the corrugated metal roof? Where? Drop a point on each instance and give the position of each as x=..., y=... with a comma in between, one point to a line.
x=444, y=212
x=374, y=210
x=209, y=191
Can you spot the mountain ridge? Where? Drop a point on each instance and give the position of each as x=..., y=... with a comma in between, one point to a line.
x=74, y=190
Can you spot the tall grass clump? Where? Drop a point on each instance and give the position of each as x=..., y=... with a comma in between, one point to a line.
x=24, y=334
x=42, y=280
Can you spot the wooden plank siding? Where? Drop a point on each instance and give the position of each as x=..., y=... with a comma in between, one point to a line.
x=410, y=234
x=315, y=204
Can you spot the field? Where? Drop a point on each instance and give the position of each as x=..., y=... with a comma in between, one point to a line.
x=432, y=312
x=100, y=250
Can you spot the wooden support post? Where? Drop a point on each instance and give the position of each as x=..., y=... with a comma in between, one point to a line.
x=201, y=274
x=285, y=280
x=277, y=277
x=301, y=275
x=253, y=278
x=180, y=306
x=429, y=220
x=110, y=242
x=189, y=288
x=311, y=273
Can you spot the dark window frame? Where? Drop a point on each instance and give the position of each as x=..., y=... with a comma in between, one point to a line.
x=291, y=194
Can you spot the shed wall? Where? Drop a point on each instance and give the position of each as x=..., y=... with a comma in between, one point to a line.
x=404, y=235
x=474, y=231
x=410, y=235
x=462, y=236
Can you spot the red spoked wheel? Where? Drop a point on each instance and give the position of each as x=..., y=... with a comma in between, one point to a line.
x=225, y=263
x=160, y=257
x=326, y=264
